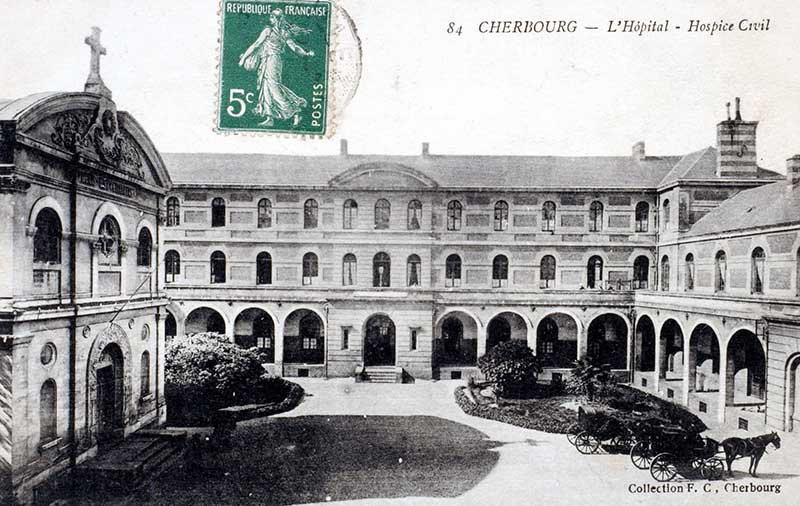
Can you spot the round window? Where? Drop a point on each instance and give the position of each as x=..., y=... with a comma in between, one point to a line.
x=145, y=332
x=48, y=354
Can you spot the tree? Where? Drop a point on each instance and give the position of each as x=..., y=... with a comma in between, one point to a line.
x=512, y=367
x=588, y=378
x=206, y=372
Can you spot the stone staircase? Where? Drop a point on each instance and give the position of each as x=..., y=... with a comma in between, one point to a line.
x=132, y=462
x=383, y=374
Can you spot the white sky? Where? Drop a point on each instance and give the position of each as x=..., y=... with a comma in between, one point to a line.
x=588, y=93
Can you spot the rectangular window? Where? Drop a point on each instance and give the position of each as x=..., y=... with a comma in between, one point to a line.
x=263, y=342
x=345, y=338
x=309, y=343
x=413, y=344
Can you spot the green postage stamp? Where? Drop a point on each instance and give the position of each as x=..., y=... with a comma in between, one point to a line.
x=273, y=68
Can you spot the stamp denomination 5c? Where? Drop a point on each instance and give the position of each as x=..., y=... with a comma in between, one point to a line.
x=273, y=68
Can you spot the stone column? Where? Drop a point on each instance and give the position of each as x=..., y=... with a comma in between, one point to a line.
x=724, y=387
x=279, y=348
x=690, y=362
x=481, y=330
x=659, y=362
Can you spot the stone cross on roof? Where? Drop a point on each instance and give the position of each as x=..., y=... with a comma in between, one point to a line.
x=94, y=83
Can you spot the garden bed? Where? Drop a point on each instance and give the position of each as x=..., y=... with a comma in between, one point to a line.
x=547, y=412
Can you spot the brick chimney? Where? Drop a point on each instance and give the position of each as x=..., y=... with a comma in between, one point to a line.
x=343, y=147
x=425, y=149
x=736, y=146
x=638, y=151
x=793, y=171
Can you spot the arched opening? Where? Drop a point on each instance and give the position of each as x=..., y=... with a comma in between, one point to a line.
x=645, y=356
x=144, y=375
x=310, y=214
x=452, y=271
x=642, y=216
x=500, y=271
x=414, y=217
x=746, y=370
x=666, y=214
x=264, y=213
x=109, y=242
x=379, y=341
x=173, y=212
x=310, y=268
x=607, y=341
x=641, y=272
x=793, y=394
x=303, y=338
x=595, y=216
x=170, y=326
x=47, y=238
x=218, y=212
x=381, y=270
x=594, y=272
x=665, y=273
x=504, y=327
x=350, y=214
x=48, y=412
x=720, y=271
x=456, y=340
x=688, y=281
x=413, y=270
x=264, y=268
x=670, y=342
x=204, y=319
x=349, y=270
x=501, y=216
x=383, y=213
x=144, y=250
x=254, y=328
x=172, y=266
x=547, y=272
x=110, y=394
x=454, y=215
x=218, y=267
x=557, y=341
x=548, y=217
x=758, y=261
x=703, y=360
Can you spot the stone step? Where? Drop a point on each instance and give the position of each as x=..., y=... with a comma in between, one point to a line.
x=380, y=374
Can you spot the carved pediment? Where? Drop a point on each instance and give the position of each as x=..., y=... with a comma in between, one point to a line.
x=383, y=176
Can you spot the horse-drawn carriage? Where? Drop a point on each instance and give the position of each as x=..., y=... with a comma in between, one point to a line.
x=686, y=453
x=598, y=427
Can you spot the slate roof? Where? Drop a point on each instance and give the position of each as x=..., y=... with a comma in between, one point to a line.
x=449, y=171
x=765, y=206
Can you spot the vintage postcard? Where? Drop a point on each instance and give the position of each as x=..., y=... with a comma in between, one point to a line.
x=373, y=252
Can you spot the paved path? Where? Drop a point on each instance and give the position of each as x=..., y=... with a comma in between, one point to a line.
x=524, y=466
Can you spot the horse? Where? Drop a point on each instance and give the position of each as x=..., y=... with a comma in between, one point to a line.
x=753, y=447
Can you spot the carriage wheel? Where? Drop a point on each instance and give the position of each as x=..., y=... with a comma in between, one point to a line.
x=697, y=465
x=571, y=438
x=712, y=469
x=641, y=455
x=620, y=443
x=663, y=467
x=586, y=443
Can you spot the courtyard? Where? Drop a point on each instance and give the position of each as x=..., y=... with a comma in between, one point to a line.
x=362, y=443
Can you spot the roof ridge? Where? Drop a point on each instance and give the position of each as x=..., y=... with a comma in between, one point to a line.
x=700, y=153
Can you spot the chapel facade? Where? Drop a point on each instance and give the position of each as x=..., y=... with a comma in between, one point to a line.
x=81, y=298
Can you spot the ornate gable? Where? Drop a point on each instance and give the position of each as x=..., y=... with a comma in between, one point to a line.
x=383, y=176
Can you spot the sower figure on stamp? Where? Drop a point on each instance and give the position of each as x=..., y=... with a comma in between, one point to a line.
x=274, y=99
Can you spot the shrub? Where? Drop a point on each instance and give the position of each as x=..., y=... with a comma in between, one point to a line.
x=588, y=379
x=205, y=372
x=512, y=367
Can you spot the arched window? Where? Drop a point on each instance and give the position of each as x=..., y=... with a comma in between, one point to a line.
x=547, y=272
x=310, y=213
x=594, y=272
x=666, y=213
x=383, y=211
x=172, y=266
x=47, y=238
x=310, y=268
x=758, y=259
x=264, y=213
x=349, y=270
x=109, y=243
x=501, y=216
x=145, y=249
x=689, y=273
x=452, y=268
x=414, y=214
x=48, y=412
x=218, y=212
x=665, y=273
x=218, y=267
x=413, y=270
x=500, y=271
x=642, y=216
x=264, y=268
x=641, y=272
x=350, y=216
x=720, y=271
x=454, y=215
x=381, y=270
x=144, y=371
x=549, y=217
x=173, y=212
x=595, y=217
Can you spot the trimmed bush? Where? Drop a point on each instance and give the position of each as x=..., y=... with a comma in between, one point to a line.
x=548, y=419
x=512, y=367
x=206, y=372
